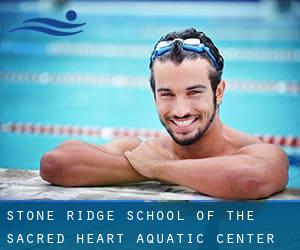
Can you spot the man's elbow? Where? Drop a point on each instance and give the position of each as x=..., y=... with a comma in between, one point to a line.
x=255, y=188
x=52, y=169
x=259, y=186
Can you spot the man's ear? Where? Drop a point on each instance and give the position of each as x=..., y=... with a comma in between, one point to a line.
x=220, y=92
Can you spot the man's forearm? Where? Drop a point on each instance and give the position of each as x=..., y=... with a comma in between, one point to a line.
x=231, y=177
x=86, y=165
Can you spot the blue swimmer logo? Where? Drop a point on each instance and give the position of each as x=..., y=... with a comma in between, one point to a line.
x=71, y=15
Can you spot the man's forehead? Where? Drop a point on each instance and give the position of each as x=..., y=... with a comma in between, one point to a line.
x=186, y=74
x=190, y=61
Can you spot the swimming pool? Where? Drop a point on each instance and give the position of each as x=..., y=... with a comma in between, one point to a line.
x=94, y=86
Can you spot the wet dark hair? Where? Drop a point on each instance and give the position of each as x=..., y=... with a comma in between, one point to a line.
x=177, y=55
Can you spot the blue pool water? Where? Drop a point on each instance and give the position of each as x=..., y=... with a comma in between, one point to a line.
x=42, y=77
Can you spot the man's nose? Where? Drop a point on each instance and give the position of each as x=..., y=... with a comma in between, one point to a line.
x=181, y=107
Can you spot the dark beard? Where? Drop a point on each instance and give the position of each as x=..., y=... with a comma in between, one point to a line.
x=196, y=137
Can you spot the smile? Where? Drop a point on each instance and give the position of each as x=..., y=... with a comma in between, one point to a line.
x=183, y=123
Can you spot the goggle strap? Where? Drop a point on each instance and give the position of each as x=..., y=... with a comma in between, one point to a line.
x=196, y=48
x=200, y=49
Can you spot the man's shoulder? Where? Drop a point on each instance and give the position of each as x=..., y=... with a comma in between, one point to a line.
x=251, y=145
x=241, y=139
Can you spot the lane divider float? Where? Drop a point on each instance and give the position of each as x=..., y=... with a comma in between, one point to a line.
x=121, y=81
x=109, y=132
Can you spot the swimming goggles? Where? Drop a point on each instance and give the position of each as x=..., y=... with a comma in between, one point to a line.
x=190, y=44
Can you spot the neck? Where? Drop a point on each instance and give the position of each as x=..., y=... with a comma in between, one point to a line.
x=212, y=143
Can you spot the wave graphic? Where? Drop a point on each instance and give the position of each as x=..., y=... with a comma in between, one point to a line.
x=70, y=15
x=47, y=30
x=54, y=22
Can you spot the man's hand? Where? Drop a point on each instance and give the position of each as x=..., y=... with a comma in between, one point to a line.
x=145, y=158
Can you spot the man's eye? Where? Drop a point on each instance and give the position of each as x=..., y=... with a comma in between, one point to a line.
x=166, y=94
x=194, y=92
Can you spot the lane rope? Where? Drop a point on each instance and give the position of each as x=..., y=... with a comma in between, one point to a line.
x=109, y=132
x=121, y=81
x=138, y=51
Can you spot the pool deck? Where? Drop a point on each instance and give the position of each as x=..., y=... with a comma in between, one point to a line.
x=27, y=185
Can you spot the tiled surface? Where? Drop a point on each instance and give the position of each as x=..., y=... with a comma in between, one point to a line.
x=27, y=185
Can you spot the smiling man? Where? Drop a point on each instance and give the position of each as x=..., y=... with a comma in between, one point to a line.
x=200, y=152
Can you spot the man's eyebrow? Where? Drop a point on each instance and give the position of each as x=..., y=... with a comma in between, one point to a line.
x=198, y=86
x=164, y=89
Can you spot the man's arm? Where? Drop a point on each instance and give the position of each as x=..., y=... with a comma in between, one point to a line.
x=76, y=163
x=256, y=171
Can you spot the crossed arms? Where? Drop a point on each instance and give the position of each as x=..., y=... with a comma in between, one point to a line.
x=256, y=171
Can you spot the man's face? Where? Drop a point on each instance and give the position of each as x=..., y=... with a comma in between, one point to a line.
x=184, y=98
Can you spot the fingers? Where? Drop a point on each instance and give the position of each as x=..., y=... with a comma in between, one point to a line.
x=154, y=144
x=157, y=148
x=149, y=150
x=128, y=156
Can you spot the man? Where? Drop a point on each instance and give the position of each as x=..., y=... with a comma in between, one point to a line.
x=200, y=151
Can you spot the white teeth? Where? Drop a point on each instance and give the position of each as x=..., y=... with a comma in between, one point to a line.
x=184, y=123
